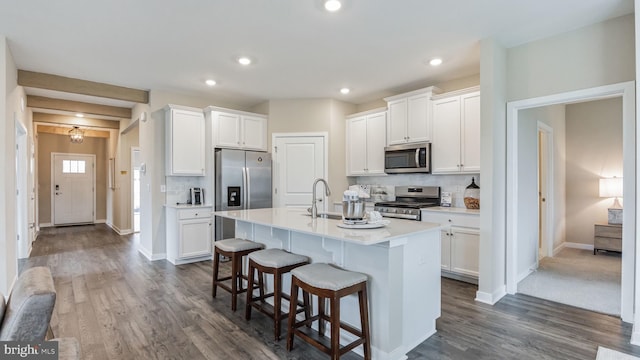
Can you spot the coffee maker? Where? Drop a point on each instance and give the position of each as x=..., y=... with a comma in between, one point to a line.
x=196, y=196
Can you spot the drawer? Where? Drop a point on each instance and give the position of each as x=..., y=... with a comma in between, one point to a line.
x=462, y=220
x=203, y=212
x=607, y=243
x=610, y=231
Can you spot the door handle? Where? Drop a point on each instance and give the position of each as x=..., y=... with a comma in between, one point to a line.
x=418, y=157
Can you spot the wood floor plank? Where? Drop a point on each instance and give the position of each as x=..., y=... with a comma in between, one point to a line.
x=119, y=305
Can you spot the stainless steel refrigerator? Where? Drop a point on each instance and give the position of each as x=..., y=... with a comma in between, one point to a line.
x=243, y=181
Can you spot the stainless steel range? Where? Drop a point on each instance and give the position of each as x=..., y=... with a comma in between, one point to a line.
x=409, y=200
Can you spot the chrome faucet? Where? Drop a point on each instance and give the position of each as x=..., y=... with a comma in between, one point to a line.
x=314, y=200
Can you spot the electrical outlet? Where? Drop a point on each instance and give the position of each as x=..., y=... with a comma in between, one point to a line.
x=163, y=188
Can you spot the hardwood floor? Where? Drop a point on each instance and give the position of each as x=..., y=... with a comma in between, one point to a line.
x=121, y=306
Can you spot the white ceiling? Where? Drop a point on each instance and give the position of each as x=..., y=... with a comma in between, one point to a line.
x=375, y=47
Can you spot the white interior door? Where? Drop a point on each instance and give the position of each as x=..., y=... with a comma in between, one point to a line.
x=298, y=160
x=73, y=188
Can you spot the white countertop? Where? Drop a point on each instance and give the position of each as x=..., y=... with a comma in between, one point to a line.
x=298, y=220
x=187, y=206
x=458, y=210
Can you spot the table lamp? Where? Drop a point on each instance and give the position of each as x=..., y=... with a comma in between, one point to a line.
x=612, y=188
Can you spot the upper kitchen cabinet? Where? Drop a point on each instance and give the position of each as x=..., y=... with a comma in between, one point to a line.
x=410, y=116
x=237, y=129
x=366, y=138
x=185, y=141
x=455, y=146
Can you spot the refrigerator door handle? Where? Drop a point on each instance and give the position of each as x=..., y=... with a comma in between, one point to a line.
x=245, y=184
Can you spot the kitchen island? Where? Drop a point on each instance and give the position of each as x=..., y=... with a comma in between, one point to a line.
x=401, y=259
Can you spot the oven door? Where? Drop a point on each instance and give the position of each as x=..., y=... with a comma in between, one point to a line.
x=411, y=158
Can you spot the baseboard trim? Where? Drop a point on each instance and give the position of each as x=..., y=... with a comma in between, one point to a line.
x=572, y=245
x=635, y=335
x=46, y=225
x=102, y=221
x=491, y=298
x=149, y=256
x=525, y=273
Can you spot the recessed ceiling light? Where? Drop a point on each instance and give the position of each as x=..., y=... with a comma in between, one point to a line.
x=79, y=115
x=435, y=62
x=210, y=82
x=345, y=91
x=332, y=5
x=243, y=60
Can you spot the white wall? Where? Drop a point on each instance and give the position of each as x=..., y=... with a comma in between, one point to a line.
x=594, y=150
x=10, y=109
x=493, y=87
x=595, y=55
x=527, y=191
x=528, y=231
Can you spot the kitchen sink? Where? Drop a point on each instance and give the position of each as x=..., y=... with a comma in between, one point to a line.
x=333, y=216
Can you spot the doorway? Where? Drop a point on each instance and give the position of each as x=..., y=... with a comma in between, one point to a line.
x=545, y=189
x=73, y=188
x=22, y=220
x=135, y=188
x=299, y=159
x=517, y=209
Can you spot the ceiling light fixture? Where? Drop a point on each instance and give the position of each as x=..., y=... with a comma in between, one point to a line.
x=79, y=115
x=243, y=60
x=210, y=82
x=332, y=5
x=435, y=62
x=76, y=135
x=345, y=91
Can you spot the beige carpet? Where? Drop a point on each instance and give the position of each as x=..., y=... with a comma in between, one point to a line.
x=608, y=354
x=578, y=278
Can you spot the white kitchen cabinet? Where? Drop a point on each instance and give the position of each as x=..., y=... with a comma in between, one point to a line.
x=410, y=116
x=455, y=145
x=460, y=241
x=365, y=142
x=237, y=129
x=189, y=234
x=185, y=141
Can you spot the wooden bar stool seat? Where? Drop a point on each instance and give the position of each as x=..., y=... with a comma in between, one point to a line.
x=234, y=249
x=328, y=282
x=275, y=262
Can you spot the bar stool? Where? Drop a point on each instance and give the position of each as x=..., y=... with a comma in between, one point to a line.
x=328, y=282
x=275, y=262
x=234, y=249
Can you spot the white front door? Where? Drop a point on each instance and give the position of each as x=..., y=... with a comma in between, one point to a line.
x=73, y=189
x=298, y=160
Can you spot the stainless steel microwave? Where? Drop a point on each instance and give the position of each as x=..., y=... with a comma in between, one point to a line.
x=407, y=158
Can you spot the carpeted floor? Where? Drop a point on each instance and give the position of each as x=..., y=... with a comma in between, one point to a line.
x=608, y=354
x=578, y=278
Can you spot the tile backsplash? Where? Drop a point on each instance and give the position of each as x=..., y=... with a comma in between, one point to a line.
x=384, y=185
x=177, y=189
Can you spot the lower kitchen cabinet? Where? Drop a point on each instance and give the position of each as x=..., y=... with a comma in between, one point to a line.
x=189, y=234
x=460, y=242
x=462, y=248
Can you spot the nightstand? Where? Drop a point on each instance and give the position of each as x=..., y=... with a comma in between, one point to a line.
x=607, y=237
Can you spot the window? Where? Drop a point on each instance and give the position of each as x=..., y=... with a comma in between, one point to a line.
x=73, y=166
